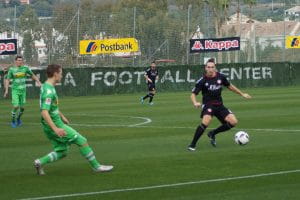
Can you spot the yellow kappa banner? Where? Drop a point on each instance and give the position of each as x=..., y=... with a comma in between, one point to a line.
x=108, y=46
x=292, y=42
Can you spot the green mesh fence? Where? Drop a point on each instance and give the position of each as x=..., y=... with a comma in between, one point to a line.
x=96, y=81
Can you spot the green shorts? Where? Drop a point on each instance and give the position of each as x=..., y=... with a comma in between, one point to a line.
x=63, y=143
x=18, y=97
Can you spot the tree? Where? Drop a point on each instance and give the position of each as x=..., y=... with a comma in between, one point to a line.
x=29, y=25
x=250, y=3
x=43, y=8
x=29, y=20
x=219, y=8
x=14, y=3
x=30, y=53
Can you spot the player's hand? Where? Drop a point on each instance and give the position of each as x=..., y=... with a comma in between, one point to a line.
x=247, y=96
x=5, y=94
x=197, y=104
x=150, y=80
x=60, y=132
x=38, y=84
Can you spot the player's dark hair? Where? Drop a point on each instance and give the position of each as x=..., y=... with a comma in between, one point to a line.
x=212, y=60
x=153, y=62
x=51, y=69
x=18, y=56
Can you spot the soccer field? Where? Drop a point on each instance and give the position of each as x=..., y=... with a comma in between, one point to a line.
x=148, y=147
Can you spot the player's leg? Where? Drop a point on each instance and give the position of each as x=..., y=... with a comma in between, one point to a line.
x=85, y=150
x=50, y=157
x=60, y=151
x=206, y=119
x=13, y=117
x=22, y=100
x=15, y=102
x=151, y=94
x=228, y=120
x=146, y=96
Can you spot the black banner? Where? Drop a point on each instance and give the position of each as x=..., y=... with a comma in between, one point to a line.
x=214, y=44
x=8, y=47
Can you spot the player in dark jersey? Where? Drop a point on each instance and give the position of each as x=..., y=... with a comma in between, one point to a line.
x=212, y=104
x=151, y=75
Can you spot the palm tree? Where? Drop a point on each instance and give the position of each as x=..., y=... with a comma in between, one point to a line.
x=250, y=3
x=220, y=11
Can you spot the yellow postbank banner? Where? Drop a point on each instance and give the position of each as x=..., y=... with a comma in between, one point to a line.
x=108, y=46
x=292, y=42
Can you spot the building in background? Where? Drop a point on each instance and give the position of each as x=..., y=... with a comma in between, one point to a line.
x=294, y=11
x=21, y=1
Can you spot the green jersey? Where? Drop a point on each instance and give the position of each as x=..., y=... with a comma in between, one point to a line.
x=49, y=101
x=18, y=75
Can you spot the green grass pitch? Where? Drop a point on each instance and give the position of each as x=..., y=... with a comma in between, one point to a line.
x=155, y=154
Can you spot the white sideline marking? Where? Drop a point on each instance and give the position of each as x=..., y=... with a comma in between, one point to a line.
x=148, y=120
x=250, y=129
x=166, y=127
x=164, y=186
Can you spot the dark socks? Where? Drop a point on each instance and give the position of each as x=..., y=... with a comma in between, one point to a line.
x=20, y=113
x=222, y=128
x=145, y=97
x=151, y=97
x=13, y=114
x=199, y=131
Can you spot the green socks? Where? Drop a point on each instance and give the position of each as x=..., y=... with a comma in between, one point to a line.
x=52, y=157
x=88, y=153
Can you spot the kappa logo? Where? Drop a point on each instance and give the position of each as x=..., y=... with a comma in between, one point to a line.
x=197, y=45
x=295, y=42
x=7, y=47
x=91, y=47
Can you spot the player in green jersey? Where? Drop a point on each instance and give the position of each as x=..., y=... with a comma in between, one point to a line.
x=56, y=129
x=18, y=75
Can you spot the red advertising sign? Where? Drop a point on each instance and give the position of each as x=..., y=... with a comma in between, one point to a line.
x=8, y=47
x=214, y=45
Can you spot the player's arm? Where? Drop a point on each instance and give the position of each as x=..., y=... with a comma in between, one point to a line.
x=147, y=78
x=65, y=120
x=195, y=91
x=36, y=79
x=59, y=131
x=237, y=91
x=196, y=103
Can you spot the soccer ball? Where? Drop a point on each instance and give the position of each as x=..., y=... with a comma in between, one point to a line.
x=241, y=138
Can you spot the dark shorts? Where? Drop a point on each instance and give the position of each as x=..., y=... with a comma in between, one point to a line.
x=220, y=111
x=151, y=86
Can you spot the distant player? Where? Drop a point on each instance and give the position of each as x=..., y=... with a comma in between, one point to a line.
x=151, y=76
x=54, y=125
x=212, y=104
x=5, y=71
x=18, y=75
